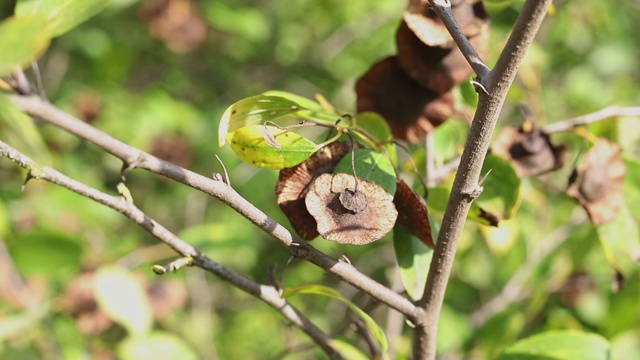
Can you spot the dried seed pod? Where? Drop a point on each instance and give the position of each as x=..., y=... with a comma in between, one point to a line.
x=293, y=184
x=598, y=183
x=530, y=152
x=350, y=214
x=411, y=110
x=412, y=213
x=436, y=68
x=426, y=50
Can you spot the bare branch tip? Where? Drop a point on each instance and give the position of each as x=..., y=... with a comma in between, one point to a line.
x=174, y=266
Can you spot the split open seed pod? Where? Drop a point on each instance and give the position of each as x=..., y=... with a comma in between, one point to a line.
x=348, y=213
x=293, y=184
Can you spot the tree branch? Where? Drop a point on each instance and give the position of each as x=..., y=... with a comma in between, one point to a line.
x=268, y=294
x=133, y=157
x=465, y=185
x=443, y=9
x=606, y=113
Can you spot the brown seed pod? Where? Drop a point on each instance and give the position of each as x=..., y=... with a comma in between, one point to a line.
x=598, y=183
x=426, y=50
x=411, y=110
x=348, y=214
x=412, y=213
x=530, y=152
x=436, y=68
x=293, y=184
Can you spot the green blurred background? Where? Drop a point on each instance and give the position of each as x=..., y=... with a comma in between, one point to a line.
x=159, y=74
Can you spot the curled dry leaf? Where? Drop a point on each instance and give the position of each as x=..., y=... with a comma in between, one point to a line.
x=412, y=213
x=345, y=217
x=598, y=183
x=530, y=152
x=293, y=184
x=411, y=110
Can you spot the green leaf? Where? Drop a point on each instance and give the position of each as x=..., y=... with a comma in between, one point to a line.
x=121, y=296
x=19, y=130
x=370, y=165
x=303, y=102
x=620, y=240
x=254, y=110
x=156, y=346
x=559, y=345
x=61, y=15
x=327, y=291
x=501, y=188
x=374, y=125
x=348, y=351
x=250, y=145
x=46, y=253
x=414, y=259
x=21, y=41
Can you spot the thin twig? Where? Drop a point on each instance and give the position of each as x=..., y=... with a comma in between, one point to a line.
x=497, y=83
x=268, y=294
x=134, y=157
x=606, y=113
x=443, y=9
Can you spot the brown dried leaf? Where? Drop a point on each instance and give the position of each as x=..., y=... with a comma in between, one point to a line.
x=358, y=225
x=411, y=110
x=412, y=213
x=598, y=183
x=530, y=152
x=293, y=185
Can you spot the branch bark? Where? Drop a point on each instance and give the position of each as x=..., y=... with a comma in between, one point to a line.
x=465, y=186
x=133, y=158
x=268, y=294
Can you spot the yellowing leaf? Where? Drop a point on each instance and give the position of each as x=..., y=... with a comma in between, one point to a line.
x=61, y=15
x=21, y=41
x=254, y=110
x=250, y=145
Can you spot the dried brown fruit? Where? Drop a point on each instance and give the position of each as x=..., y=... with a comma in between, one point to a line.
x=598, y=183
x=293, y=184
x=330, y=201
x=411, y=110
x=436, y=68
x=530, y=152
x=412, y=213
